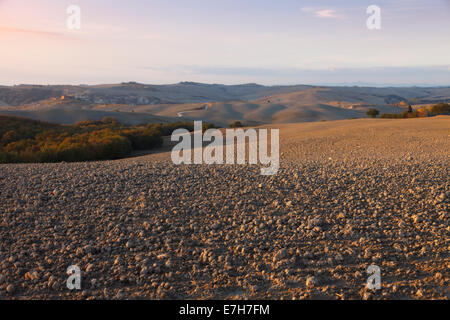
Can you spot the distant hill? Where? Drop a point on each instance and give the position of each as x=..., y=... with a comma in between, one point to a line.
x=141, y=94
x=135, y=103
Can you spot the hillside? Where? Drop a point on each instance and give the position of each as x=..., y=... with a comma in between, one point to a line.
x=70, y=110
x=135, y=103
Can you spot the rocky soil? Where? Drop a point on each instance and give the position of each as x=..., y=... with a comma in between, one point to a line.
x=349, y=194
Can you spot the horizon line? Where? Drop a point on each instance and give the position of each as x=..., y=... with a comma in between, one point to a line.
x=360, y=84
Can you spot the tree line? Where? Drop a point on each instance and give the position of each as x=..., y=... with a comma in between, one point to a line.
x=434, y=110
x=28, y=141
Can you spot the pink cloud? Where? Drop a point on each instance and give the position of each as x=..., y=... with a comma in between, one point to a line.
x=326, y=14
x=321, y=12
x=30, y=32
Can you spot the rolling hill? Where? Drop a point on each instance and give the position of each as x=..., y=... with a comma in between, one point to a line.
x=135, y=103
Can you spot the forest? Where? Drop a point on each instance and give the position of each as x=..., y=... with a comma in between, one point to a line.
x=27, y=141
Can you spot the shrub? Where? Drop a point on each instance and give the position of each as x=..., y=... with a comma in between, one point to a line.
x=207, y=126
x=440, y=108
x=373, y=113
x=405, y=114
x=166, y=129
x=422, y=113
x=9, y=137
x=236, y=124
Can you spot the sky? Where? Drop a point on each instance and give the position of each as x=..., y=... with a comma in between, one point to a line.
x=225, y=41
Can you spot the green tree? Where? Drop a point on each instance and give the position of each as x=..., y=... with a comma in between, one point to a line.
x=373, y=113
